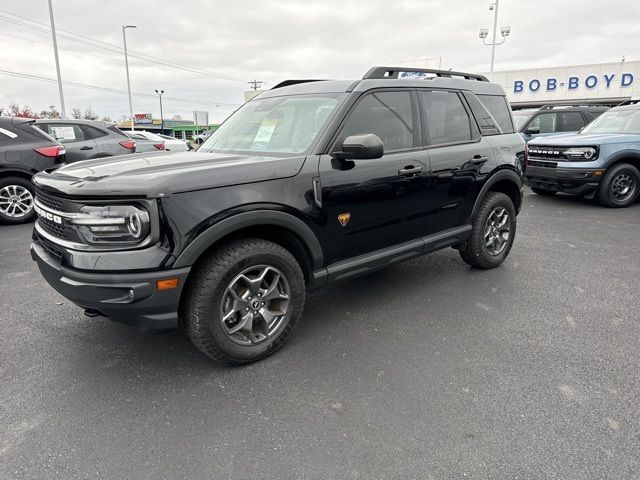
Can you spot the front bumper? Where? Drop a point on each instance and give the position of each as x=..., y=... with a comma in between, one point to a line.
x=577, y=181
x=129, y=298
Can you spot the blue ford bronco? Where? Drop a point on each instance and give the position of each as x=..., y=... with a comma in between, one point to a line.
x=602, y=161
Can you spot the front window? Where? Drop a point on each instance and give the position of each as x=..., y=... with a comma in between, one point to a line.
x=274, y=126
x=615, y=121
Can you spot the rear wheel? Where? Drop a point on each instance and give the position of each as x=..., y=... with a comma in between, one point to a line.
x=493, y=232
x=16, y=200
x=544, y=192
x=619, y=186
x=244, y=301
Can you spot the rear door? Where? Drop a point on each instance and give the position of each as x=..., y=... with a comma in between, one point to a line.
x=369, y=205
x=459, y=156
x=79, y=144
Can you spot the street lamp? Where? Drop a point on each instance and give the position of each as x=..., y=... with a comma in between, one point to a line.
x=160, y=93
x=484, y=32
x=126, y=64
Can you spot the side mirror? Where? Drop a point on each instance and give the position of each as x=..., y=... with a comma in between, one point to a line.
x=532, y=131
x=360, y=147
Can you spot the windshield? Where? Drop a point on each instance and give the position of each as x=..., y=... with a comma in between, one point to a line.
x=615, y=121
x=520, y=119
x=280, y=125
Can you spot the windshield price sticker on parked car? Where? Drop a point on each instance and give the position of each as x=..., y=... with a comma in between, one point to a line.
x=266, y=130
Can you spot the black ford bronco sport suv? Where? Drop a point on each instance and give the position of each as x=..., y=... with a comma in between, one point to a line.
x=309, y=183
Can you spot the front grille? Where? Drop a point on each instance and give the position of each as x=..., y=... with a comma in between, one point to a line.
x=48, y=200
x=52, y=228
x=51, y=249
x=538, y=163
x=543, y=151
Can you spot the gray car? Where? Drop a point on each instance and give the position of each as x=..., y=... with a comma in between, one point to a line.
x=85, y=139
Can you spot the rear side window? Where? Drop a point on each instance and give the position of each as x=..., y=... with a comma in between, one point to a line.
x=498, y=107
x=570, y=121
x=92, y=132
x=447, y=119
x=388, y=115
x=486, y=122
x=546, y=122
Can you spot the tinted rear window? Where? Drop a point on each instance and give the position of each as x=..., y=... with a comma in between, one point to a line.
x=498, y=107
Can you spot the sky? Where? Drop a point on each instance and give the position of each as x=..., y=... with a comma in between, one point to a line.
x=203, y=53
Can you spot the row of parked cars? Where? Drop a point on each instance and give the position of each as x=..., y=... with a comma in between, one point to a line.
x=28, y=146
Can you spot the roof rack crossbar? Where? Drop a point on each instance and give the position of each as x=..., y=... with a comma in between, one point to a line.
x=287, y=83
x=394, y=72
x=569, y=105
x=632, y=101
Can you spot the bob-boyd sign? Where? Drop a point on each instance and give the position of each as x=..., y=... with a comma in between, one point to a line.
x=609, y=80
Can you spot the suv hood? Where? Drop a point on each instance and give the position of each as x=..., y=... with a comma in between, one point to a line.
x=580, y=140
x=153, y=175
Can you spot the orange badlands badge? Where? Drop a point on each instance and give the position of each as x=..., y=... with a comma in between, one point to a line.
x=343, y=218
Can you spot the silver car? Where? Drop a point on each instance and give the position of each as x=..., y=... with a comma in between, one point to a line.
x=85, y=139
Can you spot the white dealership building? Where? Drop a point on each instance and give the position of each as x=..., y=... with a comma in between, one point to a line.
x=597, y=84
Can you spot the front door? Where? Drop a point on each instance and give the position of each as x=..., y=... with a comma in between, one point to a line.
x=368, y=205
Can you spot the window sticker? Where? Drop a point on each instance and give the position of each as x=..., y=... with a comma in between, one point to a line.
x=63, y=133
x=267, y=127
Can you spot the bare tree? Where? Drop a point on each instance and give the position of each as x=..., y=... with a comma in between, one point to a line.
x=89, y=114
x=25, y=111
x=107, y=119
x=76, y=113
x=51, y=113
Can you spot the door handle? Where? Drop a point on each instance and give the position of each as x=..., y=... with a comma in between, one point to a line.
x=409, y=170
x=478, y=160
x=87, y=148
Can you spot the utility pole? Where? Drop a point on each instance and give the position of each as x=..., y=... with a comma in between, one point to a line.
x=126, y=64
x=55, y=54
x=160, y=93
x=255, y=84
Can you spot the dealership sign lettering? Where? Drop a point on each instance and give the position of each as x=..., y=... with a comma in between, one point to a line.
x=573, y=83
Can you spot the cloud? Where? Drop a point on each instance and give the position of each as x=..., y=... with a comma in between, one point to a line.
x=278, y=39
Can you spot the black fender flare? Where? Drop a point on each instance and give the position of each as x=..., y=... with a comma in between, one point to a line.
x=504, y=174
x=252, y=219
x=622, y=155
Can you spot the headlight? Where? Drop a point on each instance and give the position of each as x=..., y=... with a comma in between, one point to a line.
x=581, y=153
x=112, y=225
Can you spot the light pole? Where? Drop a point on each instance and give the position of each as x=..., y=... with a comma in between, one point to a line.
x=160, y=93
x=504, y=31
x=55, y=54
x=126, y=64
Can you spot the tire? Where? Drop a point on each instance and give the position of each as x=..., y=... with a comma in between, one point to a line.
x=544, y=192
x=209, y=298
x=476, y=252
x=16, y=200
x=620, y=186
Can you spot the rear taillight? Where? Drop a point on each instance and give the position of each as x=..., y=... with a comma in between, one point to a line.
x=53, y=151
x=130, y=144
x=159, y=146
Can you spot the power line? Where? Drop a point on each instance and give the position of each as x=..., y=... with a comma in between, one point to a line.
x=113, y=90
x=110, y=47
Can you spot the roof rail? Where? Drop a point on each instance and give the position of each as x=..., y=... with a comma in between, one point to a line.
x=629, y=102
x=395, y=72
x=568, y=105
x=287, y=83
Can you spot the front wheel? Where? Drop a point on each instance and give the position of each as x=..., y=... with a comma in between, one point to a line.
x=493, y=232
x=16, y=200
x=619, y=186
x=243, y=301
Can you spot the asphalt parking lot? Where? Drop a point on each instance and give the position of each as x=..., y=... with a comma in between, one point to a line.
x=426, y=370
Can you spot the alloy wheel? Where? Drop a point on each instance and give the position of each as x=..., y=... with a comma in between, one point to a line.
x=497, y=231
x=623, y=187
x=16, y=201
x=254, y=304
